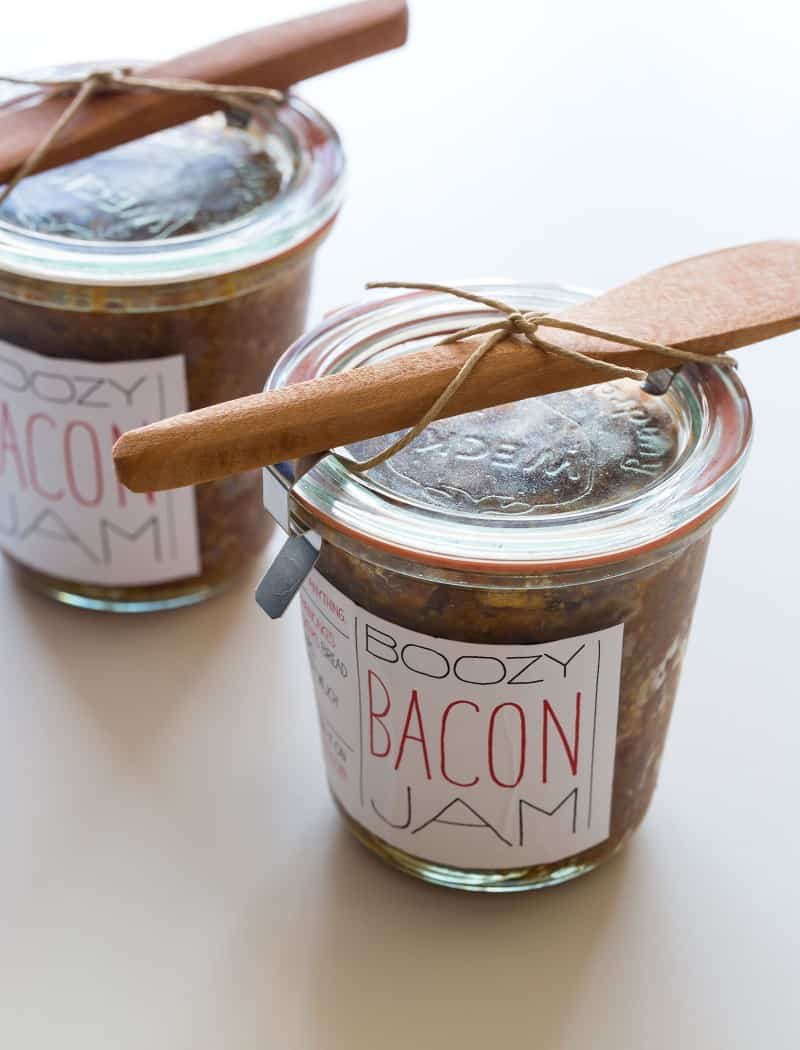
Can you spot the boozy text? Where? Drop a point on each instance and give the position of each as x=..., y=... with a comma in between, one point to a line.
x=62, y=511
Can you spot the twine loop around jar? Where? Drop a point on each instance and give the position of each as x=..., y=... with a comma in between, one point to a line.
x=515, y=322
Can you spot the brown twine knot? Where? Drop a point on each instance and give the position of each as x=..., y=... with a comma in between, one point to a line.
x=123, y=79
x=515, y=322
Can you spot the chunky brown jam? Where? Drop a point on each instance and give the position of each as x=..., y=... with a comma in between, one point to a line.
x=655, y=602
x=229, y=347
x=578, y=449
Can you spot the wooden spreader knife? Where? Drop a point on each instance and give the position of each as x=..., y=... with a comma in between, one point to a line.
x=707, y=304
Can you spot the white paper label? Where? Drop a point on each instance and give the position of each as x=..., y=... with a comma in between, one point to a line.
x=478, y=756
x=62, y=510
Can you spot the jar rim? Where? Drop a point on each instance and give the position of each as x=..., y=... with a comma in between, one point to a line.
x=271, y=231
x=686, y=497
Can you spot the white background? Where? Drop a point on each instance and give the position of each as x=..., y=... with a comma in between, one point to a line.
x=172, y=875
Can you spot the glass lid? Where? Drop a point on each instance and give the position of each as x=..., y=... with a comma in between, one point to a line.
x=568, y=478
x=188, y=179
x=212, y=196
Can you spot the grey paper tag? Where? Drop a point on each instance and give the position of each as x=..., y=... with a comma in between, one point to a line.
x=285, y=576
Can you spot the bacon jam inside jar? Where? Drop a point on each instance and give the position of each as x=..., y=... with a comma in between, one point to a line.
x=164, y=275
x=498, y=616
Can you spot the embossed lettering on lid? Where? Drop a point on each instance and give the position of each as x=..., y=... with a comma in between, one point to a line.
x=567, y=451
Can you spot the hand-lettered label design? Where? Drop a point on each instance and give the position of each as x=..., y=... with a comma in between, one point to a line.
x=62, y=510
x=478, y=756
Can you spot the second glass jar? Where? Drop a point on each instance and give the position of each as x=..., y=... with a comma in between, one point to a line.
x=165, y=275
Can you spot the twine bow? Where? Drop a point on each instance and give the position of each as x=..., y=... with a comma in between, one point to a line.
x=122, y=80
x=527, y=325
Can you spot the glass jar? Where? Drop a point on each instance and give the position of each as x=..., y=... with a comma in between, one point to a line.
x=498, y=616
x=164, y=275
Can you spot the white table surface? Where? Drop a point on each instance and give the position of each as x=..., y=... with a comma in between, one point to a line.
x=172, y=873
